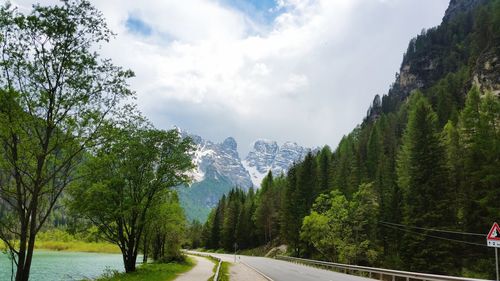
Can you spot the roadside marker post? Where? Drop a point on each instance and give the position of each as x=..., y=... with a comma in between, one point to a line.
x=493, y=240
x=235, y=249
x=496, y=261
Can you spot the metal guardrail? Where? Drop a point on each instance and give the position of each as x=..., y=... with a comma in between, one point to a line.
x=373, y=272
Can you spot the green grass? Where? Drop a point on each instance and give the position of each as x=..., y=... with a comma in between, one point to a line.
x=152, y=272
x=74, y=246
x=78, y=246
x=60, y=240
x=224, y=270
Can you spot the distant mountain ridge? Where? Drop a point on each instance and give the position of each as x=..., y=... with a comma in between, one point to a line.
x=219, y=168
x=269, y=156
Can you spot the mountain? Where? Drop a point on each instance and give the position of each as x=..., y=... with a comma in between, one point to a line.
x=463, y=45
x=219, y=168
x=269, y=156
x=218, y=160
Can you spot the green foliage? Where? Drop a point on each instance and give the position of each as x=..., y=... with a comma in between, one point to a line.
x=344, y=231
x=56, y=95
x=290, y=214
x=266, y=215
x=165, y=229
x=194, y=233
x=426, y=190
x=324, y=167
x=127, y=182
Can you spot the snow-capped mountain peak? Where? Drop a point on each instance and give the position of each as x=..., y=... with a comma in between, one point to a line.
x=223, y=158
x=269, y=156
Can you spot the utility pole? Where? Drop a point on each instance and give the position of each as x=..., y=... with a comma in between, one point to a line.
x=496, y=262
x=493, y=240
x=235, y=248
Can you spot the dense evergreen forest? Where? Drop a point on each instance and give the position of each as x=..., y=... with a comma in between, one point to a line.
x=416, y=186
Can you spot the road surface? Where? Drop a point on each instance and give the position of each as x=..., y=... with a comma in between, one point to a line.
x=279, y=270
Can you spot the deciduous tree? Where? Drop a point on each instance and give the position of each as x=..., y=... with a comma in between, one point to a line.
x=56, y=95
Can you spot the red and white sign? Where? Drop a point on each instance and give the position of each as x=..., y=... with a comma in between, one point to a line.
x=493, y=237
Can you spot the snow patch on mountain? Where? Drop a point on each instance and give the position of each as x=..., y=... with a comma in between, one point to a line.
x=221, y=159
x=269, y=156
x=255, y=175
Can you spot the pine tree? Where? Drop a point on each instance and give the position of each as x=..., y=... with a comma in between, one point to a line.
x=216, y=232
x=290, y=217
x=324, y=162
x=373, y=152
x=264, y=214
x=426, y=194
x=455, y=166
x=231, y=214
x=472, y=138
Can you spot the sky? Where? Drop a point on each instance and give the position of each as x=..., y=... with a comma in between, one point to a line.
x=286, y=70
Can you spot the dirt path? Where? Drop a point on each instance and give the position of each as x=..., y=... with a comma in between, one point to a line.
x=200, y=272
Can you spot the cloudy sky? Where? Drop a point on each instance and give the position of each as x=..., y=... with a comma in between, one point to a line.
x=287, y=70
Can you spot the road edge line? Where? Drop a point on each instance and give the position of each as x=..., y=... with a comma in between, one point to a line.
x=258, y=271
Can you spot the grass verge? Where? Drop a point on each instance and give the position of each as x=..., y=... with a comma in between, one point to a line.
x=224, y=270
x=152, y=272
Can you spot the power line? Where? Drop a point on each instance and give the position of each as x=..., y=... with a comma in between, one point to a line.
x=433, y=229
x=437, y=237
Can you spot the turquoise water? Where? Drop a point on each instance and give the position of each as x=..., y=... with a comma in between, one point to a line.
x=65, y=266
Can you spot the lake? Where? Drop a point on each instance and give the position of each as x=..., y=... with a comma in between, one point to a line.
x=62, y=266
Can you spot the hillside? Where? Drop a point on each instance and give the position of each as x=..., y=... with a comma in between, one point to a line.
x=424, y=161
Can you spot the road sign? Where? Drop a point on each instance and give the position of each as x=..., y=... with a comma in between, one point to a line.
x=493, y=238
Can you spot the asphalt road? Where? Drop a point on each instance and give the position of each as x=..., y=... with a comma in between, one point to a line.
x=279, y=270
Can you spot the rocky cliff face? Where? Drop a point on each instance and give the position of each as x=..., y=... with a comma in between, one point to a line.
x=458, y=6
x=485, y=74
x=442, y=50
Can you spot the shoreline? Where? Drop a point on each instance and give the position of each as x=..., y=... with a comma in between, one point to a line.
x=75, y=246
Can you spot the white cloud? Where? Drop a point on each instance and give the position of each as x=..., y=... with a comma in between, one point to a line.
x=307, y=77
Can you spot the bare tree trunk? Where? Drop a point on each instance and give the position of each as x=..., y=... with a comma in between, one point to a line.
x=131, y=255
